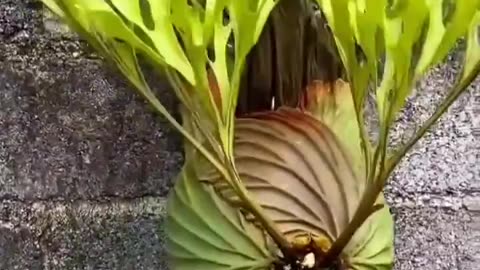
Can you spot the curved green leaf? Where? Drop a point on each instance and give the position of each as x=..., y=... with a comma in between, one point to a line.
x=302, y=176
x=402, y=29
x=53, y=6
x=161, y=32
x=111, y=35
x=333, y=105
x=204, y=232
x=372, y=246
x=172, y=36
x=416, y=34
x=469, y=73
x=472, y=54
x=448, y=22
x=176, y=37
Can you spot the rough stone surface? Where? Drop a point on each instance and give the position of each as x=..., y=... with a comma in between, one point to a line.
x=70, y=128
x=435, y=160
x=82, y=235
x=85, y=166
x=431, y=238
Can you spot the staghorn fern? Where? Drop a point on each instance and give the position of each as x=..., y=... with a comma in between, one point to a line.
x=298, y=184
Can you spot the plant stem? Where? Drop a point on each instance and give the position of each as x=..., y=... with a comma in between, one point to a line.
x=268, y=224
x=366, y=206
x=374, y=186
x=458, y=89
x=364, y=210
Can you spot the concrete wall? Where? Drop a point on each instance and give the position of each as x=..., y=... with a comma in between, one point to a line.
x=85, y=166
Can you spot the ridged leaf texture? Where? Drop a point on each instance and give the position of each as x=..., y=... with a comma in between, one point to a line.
x=303, y=177
x=205, y=232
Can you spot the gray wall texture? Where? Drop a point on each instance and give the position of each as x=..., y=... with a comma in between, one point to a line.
x=85, y=165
